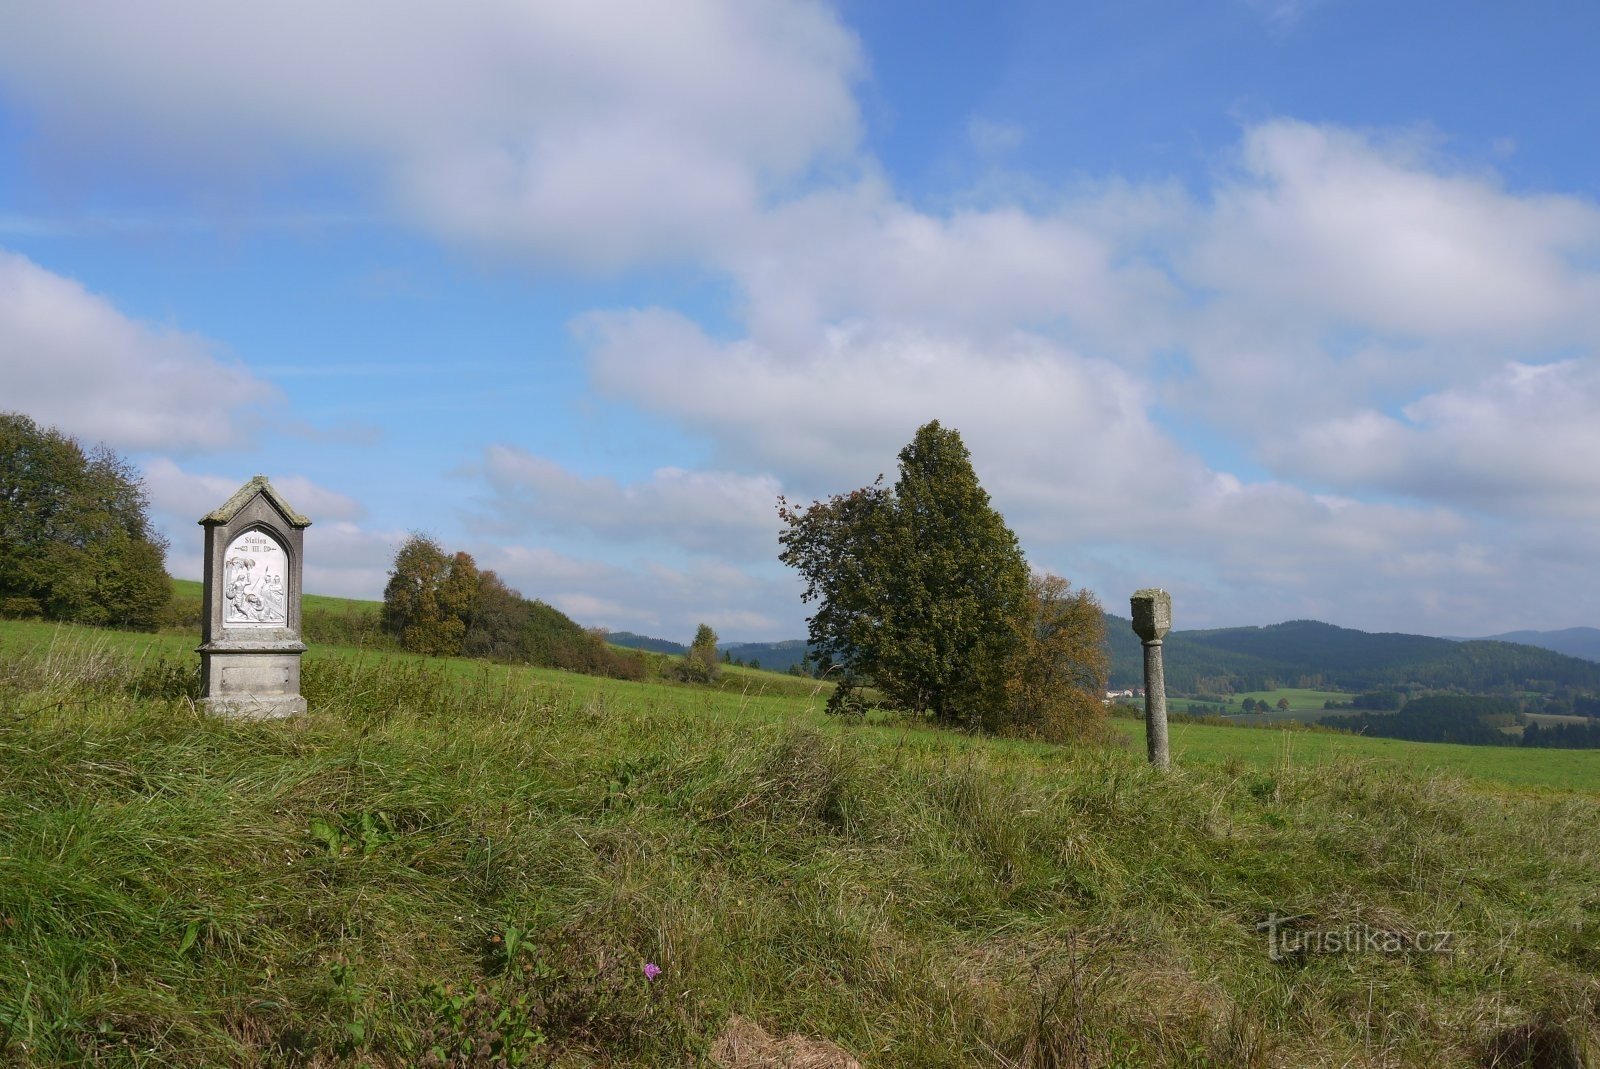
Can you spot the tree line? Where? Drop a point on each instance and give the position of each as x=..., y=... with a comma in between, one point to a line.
x=1309, y=653
x=442, y=604
x=1472, y=720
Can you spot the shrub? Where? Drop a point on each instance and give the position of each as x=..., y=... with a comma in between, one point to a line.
x=700, y=665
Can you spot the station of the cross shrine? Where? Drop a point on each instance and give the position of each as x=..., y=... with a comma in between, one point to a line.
x=250, y=642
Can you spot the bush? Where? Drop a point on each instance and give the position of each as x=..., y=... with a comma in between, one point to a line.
x=1056, y=678
x=700, y=665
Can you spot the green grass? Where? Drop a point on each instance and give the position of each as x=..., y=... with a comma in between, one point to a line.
x=1493, y=767
x=452, y=855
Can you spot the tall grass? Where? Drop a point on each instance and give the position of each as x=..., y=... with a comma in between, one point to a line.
x=473, y=867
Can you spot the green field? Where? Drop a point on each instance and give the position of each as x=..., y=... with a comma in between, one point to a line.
x=744, y=692
x=1305, y=705
x=1500, y=766
x=464, y=859
x=1301, y=700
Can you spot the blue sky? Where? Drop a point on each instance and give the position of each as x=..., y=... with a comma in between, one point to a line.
x=1291, y=308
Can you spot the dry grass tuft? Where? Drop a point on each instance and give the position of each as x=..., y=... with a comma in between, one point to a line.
x=744, y=1044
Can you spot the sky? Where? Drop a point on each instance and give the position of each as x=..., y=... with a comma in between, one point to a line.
x=1289, y=307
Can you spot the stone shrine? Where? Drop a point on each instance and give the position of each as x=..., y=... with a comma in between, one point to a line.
x=250, y=618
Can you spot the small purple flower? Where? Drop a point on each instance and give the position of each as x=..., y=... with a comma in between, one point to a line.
x=651, y=970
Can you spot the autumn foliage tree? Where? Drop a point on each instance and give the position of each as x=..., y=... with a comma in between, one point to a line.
x=429, y=599
x=1059, y=666
x=75, y=541
x=442, y=604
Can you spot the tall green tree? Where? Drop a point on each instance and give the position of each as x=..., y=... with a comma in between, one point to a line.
x=918, y=588
x=75, y=539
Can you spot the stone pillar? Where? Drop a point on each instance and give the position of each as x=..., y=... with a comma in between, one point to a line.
x=250, y=624
x=1152, y=619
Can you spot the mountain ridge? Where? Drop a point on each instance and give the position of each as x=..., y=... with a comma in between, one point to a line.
x=1291, y=653
x=1581, y=642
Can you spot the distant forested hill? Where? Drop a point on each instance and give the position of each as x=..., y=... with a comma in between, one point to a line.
x=1309, y=653
x=774, y=656
x=1573, y=641
x=644, y=642
x=1300, y=653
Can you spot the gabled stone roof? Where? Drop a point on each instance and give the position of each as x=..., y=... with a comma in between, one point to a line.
x=243, y=496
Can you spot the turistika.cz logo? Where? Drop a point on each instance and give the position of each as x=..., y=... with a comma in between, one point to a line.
x=1286, y=940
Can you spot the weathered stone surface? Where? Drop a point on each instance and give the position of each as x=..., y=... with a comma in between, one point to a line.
x=1152, y=614
x=250, y=626
x=1152, y=619
x=255, y=706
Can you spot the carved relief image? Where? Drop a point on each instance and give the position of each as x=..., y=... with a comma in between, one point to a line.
x=255, y=591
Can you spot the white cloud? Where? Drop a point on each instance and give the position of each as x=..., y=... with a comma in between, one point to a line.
x=1284, y=15
x=839, y=409
x=1066, y=446
x=343, y=558
x=651, y=598
x=177, y=492
x=991, y=137
x=346, y=559
x=596, y=131
x=1330, y=224
x=856, y=251
x=71, y=360
x=717, y=513
x=1519, y=442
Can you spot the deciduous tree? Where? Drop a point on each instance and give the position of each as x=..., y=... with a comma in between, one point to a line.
x=75, y=541
x=918, y=589
x=1058, y=671
x=700, y=664
x=425, y=595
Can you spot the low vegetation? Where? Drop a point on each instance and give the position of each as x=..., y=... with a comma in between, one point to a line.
x=442, y=605
x=451, y=863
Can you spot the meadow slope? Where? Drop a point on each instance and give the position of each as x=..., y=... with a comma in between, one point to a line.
x=447, y=863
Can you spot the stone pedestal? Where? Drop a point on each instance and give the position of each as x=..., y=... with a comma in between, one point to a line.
x=1152, y=619
x=250, y=629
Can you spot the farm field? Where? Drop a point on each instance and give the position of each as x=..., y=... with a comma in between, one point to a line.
x=1305, y=705
x=1301, y=700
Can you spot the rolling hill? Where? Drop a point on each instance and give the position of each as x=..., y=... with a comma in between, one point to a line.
x=1311, y=653
x=773, y=656
x=1573, y=641
x=1297, y=653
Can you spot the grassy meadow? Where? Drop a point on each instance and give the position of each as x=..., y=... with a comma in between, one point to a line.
x=448, y=863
